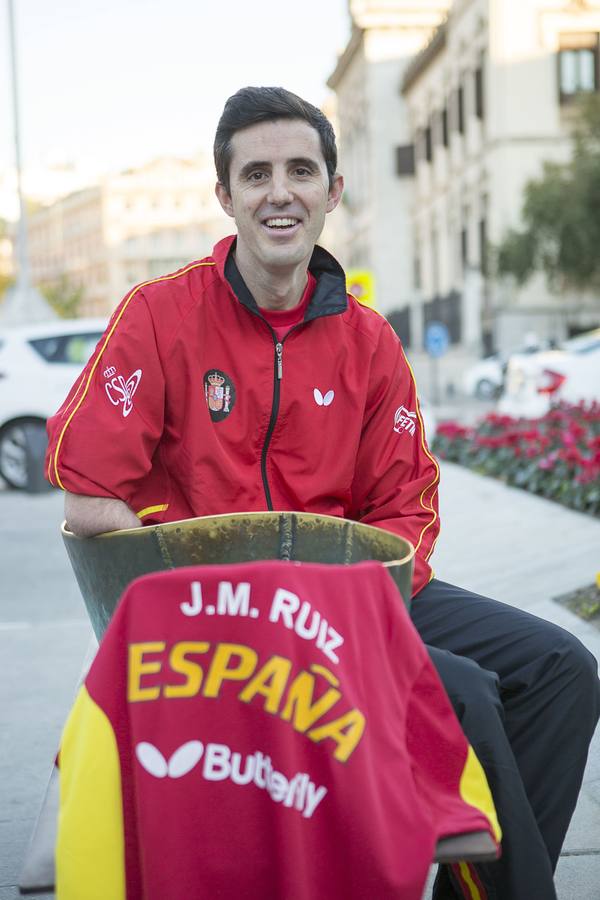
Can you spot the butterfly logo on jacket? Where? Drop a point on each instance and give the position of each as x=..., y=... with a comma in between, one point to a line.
x=120, y=391
x=321, y=400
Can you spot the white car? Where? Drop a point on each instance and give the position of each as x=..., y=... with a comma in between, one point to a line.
x=38, y=365
x=484, y=378
x=536, y=382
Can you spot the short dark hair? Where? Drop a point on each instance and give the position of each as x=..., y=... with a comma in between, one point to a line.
x=251, y=105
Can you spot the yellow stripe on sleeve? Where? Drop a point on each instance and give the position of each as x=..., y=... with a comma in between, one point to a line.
x=148, y=510
x=436, y=478
x=466, y=876
x=90, y=854
x=103, y=348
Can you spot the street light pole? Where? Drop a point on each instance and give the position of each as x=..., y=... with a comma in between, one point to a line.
x=22, y=302
x=23, y=273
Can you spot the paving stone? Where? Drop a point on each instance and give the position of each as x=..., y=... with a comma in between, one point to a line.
x=497, y=540
x=578, y=878
x=14, y=840
x=584, y=831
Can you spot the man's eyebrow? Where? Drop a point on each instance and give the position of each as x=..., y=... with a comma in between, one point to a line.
x=304, y=161
x=254, y=164
x=264, y=164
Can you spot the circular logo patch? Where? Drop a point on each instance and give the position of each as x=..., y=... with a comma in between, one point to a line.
x=220, y=394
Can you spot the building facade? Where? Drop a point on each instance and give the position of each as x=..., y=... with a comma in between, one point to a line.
x=129, y=228
x=374, y=132
x=484, y=103
x=490, y=100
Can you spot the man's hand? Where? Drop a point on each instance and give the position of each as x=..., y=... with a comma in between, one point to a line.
x=87, y=516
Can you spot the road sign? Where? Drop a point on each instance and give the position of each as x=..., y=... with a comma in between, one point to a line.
x=361, y=284
x=437, y=339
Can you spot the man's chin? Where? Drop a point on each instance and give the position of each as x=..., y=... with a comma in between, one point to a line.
x=285, y=257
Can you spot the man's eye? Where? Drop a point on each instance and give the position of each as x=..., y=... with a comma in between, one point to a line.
x=303, y=171
x=256, y=176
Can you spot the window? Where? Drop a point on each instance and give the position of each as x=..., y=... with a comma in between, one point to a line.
x=577, y=65
x=400, y=321
x=67, y=348
x=405, y=160
x=417, y=273
x=444, y=118
x=483, y=248
x=428, y=144
x=464, y=246
x=460, y=109
x=479, y=101
x=446, y=310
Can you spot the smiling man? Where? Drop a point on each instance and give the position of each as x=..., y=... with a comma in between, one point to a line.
x=278, y=189
x=251, y=380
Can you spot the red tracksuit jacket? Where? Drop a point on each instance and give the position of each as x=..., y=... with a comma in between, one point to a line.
x=190, y=406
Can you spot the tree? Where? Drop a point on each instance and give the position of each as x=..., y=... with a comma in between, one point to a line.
x=64, y=297
x=561, y=215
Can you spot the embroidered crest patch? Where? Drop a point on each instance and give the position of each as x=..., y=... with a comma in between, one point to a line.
x=219, y=393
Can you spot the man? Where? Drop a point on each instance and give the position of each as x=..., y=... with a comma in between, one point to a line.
x=250, y=380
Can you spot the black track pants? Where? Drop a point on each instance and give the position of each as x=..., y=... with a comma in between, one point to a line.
x=528, y=698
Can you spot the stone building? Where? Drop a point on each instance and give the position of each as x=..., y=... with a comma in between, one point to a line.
x=459, y=128
x=129, y=228
x=375, y=135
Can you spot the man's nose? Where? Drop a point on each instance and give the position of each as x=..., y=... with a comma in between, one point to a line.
x=280, y=190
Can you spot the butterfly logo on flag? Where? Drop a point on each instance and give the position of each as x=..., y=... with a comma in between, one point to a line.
x=321, y=400
x=181, y=762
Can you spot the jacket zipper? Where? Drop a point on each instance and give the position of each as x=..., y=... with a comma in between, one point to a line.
x=277, y=376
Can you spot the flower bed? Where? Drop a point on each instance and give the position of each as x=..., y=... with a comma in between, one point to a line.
x=557, y=456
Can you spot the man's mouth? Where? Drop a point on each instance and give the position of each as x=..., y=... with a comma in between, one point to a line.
x=281, y=223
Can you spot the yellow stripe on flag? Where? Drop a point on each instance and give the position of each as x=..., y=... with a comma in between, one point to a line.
x=90, y=851
x=475, y=791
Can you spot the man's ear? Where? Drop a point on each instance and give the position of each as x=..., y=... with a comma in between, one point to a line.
x=224, y=198
x=335, y=193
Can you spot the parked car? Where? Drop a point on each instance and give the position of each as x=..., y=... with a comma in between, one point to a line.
x=570, y=373
x=484, y=378
x=38, y=365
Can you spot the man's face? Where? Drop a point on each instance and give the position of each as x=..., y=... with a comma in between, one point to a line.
x=279, y=193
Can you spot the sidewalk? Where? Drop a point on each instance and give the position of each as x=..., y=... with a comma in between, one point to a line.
x=496, y=540
x=524, y=550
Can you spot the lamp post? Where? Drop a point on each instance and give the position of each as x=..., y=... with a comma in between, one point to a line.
x=23, y=275
x=23, y=303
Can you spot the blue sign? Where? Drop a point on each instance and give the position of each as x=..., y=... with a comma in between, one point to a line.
x=437, y=339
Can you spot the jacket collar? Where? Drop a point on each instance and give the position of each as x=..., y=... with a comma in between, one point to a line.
x=329, y=297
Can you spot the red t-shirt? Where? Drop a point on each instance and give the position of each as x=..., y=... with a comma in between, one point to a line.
x=281, y=321
x=266, y=731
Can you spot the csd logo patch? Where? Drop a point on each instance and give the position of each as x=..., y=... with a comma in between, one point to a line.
x=219, y=393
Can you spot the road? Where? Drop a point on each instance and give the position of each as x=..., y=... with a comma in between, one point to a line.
x=44, y=635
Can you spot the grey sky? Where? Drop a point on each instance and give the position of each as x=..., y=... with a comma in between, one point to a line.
x=117, y=82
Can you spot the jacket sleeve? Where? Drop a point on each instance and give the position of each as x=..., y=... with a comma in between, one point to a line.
x=396, y=478
x=103, y=437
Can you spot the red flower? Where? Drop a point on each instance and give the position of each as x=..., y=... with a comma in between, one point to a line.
x=546, y=463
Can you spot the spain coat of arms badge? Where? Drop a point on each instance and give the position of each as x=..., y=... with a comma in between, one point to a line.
x=219, y=393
